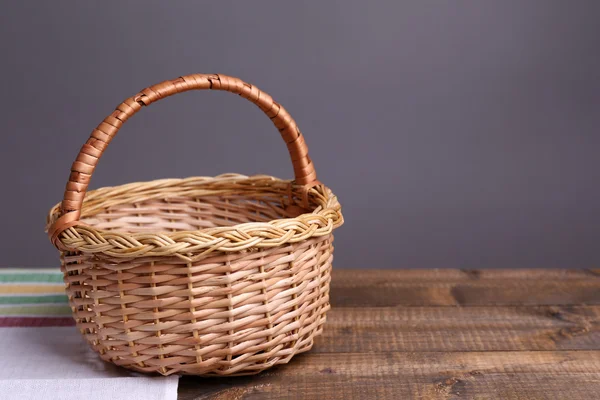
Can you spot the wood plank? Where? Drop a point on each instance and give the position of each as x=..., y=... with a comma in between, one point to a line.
x=460, y=329
x=352, y=275
x=473, y=375
x=384, y=288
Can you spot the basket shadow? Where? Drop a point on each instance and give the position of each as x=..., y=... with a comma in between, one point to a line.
x=236, y=387
x=70, y=356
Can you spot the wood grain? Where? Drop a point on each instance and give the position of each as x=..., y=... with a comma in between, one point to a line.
x=422, y=329
x=471, y=375
x=442, y=334
x=385, y=288
x=352, y=276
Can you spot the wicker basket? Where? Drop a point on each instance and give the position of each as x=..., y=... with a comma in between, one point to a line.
x=205, y=276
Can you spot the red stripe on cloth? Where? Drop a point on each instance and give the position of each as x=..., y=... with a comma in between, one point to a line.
x=14, y=322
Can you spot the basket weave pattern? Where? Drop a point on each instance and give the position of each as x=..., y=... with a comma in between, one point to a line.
x=206, y=276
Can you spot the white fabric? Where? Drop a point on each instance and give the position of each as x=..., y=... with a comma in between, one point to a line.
x=55, y=363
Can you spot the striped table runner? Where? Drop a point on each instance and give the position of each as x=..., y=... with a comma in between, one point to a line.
x=45, y=357
x=34, y=297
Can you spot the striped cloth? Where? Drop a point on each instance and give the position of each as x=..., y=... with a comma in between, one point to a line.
x=44, y=356
x=34, y=297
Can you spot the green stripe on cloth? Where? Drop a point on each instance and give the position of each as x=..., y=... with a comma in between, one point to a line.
x=31, y=277
x=53, y=298
x=43, y=309
x=51, y=270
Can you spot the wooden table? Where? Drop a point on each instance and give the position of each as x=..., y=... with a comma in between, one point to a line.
x=441, y=334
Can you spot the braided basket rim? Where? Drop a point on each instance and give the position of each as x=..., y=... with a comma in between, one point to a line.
x=191, y=245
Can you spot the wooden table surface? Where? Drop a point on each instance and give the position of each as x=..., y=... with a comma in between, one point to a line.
x=441, y=334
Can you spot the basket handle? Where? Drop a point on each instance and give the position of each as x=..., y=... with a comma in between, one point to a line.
x=91, y=151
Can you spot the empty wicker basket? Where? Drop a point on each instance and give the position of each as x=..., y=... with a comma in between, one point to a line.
x=204, y=276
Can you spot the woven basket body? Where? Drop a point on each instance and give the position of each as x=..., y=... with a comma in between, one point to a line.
x=205, y=276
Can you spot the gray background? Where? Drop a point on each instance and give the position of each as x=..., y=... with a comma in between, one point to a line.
x=455, y=133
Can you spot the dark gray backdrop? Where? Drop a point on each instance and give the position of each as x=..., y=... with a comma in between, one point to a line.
x=455, y=133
